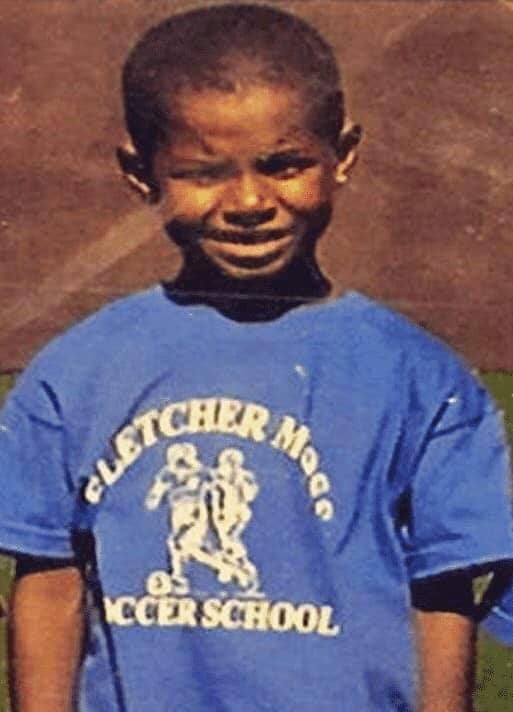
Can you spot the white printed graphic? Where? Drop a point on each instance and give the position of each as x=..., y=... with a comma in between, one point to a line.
x=208, y=512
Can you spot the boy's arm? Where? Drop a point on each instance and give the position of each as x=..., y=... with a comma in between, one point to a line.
x=446, y=652
x=45, y=638
x=447, y=608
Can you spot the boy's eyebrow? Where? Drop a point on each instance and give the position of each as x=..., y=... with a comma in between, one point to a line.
x=283, y=159
x=283, y=153
x=198, y=161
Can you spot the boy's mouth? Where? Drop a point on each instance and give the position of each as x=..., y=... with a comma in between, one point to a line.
x=251, y=248
x=249, y=254
x=244, y=252
x=245, y=237
x=187, y=234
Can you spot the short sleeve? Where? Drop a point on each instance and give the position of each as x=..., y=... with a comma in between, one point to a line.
x=459, y=511
x=36, y=500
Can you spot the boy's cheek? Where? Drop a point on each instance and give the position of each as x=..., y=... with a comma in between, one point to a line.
x=181, y=202
x=304, y=196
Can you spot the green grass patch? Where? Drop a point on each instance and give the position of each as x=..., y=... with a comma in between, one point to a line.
x=494, y=678
x=6, y=568
x=6, y=382
x=500, y=386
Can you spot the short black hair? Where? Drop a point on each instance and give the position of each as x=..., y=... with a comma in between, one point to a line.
x=223, y=47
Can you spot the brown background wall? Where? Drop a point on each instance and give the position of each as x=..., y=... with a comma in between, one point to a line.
x=425, y=224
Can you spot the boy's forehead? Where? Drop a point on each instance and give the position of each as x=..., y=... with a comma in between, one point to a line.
x=255, y=115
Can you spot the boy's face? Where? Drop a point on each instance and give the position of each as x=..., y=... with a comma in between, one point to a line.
x=243, y=178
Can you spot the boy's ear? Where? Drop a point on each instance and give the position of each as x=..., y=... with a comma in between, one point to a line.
x=346, y=152
x=136, y=173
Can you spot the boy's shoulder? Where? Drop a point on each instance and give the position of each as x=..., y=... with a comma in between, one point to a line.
x=383, y=321
x=385, y=340
x=122, y=314
x=380, y=328
x=103, y=332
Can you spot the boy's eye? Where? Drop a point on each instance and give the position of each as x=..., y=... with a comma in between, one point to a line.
x=284, y=166
x=202, y=175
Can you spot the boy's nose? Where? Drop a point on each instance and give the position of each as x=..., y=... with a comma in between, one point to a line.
x=249, y=219
x=247, y=194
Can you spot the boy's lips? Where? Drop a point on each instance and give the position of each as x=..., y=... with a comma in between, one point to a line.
x=250, y=254
x=245, y=237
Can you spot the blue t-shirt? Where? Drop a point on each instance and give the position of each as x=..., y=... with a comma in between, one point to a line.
x=260, y=497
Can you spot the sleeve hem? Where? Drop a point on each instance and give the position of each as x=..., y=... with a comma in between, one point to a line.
x=434, y=564
x=35, y=541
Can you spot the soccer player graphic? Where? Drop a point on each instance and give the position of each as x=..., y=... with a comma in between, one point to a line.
x=231, y=491
x=182, y=482
x=208, y=511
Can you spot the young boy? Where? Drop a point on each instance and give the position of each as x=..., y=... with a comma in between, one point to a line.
x=228, y=493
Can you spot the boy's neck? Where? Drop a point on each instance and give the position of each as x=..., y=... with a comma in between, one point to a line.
x=260, y=299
